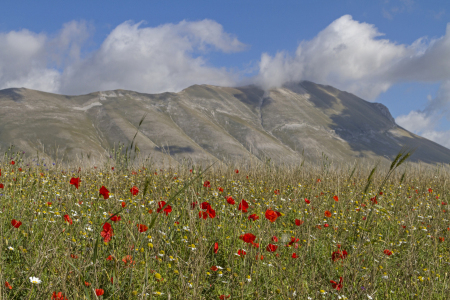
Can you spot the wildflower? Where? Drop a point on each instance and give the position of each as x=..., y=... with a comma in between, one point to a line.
x=13, y=162
x=73, y=256
x=374, y=200
x=276, y=192
x=116, y=218
x=99, y=292
x=241, y=252
x=35, y=280
x=142, y=227
x=298, y=222
x=336, y=198
x=107, y=232
x=430, y=191
x=274, y=239
x=207, y=184
x=253, y=217
x=220, y=189
x=105, y=193
x=110, y=257
x=87, y=283
x=216, y=247
x=158, y=293
x=223, y=297
x=134, y=190
x=167, y=210
x=128, y=260
x=193, y=204
x=243, y=206
x=294, y=255
x=209, y=211
x=214, y=268
x=58, y=296
x=236, y=171
x=2, y=186
x=307, y=201
x=8, y=285
x=75, y=181
x=327, y=213
x=387, y=252
x=271, y=215
x=68, y=219
x=123, y=204
x=230, y=200
x=337, y=286
x=271, y=248
x=336, y=255
x=248, y=238
x=16, y=223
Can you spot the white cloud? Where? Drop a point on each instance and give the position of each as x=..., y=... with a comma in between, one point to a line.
x=416, y=121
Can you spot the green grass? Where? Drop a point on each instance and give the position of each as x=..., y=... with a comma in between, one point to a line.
x=177, y=259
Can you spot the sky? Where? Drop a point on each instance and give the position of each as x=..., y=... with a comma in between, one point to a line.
x=395, y=52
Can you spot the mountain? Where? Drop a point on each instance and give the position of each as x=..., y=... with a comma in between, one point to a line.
x=301, y=120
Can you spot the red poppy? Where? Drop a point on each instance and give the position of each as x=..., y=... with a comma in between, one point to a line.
x=307, y=201
x=8, y=285
x=142, y=227
x=74, y=256
x=109, y=258
x=294, y=255
x=75, y=181
x=293, y=240
x=209, y=211
x=339, y=255
x=123, y=204
x=128, y=260
x=223, y=297
x=104, y=192
x=216, y=247
x=430, y=190
x=236, y=171
x=13, y=162
x=276, y=192
x=298, y=222
x=374, y=200
x=248, y=238
x=243, y=206
x=116, y=218
x=326, y=225
x=241, y=252
x=274, y=239
x=271, y=215
x=58, y=296
x=99, y=292
x=318, y=180
x=230, y=200
x=167, y=210
x=1, y=186
x=327, y=213
x=253, y=217
x=193, y=204
x=214, y=268
x=336, y=198
x=337, y=286
x=271, y=248
x=134, y=190
x=49, y=203
x=387, y=252
x=107, y=232
x=220, y=189
x=16, y=223
x=68, y=219
x=87, y=283
x=207, y=184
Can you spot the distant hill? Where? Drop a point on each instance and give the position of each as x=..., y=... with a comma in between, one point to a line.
x=301, y=120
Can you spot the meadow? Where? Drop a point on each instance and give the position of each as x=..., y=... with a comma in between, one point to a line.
x=115, y=231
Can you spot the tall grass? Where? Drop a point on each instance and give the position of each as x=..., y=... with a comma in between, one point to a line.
x=175, y=258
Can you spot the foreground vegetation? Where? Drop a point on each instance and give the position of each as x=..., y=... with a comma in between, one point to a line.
x=112, y=232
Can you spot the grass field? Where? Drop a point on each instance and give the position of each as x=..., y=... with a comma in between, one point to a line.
x=223, y=233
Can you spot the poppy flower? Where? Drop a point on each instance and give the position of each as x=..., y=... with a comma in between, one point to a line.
x=276, y=192
x=230, y=200
x=293, y=240
x=248, y=238
x=116, y=218
x=223, y=297
x=107, y=232
x=307, y=201
x=75, y=181
x=337, y=286
x=58, y=296
x=214, y=268
x=327, y=213
x=109, y=258
x=104, y=192
x=87, y=283
x=49, y=203
x=193, y=204
x=271, y=215
x=236, y=171
x=128, y=260
x=298, y=222
x=1, y=186
x=13, y=162
x=243, y=206
x=294, y=255
x=142, y=227
x=241, y=252
x=8, y=285
x=274, y=239
x=387, y=252
x=339, y=255
x=68, y=219
x=430, y=190
x=374, y=200
x=271, y=248
x=253, y=217
x=207, y=184
x=336, y=198
x=99, y=292
x=134, y=190
x=209, y=211
x=16, y=223
x=216, y=247
x=326, y=225
x=167, y=210
x=220, y=189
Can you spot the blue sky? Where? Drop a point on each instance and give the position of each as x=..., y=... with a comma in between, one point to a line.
x=396, y=52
